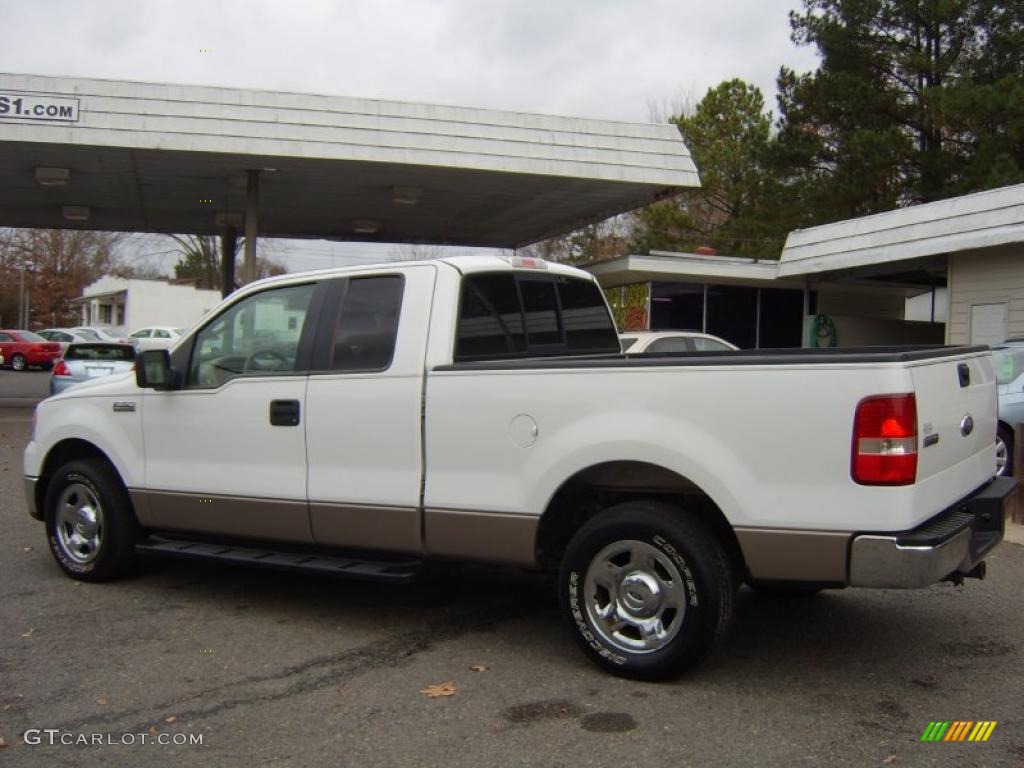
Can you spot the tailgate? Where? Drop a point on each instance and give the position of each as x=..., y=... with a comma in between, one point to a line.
x=956, y=411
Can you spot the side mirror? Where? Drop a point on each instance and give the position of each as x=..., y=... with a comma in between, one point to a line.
x=153, y=370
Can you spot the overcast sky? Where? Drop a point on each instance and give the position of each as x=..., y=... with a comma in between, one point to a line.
x=613, y=59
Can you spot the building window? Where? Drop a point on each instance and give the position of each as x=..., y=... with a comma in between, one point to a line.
x=105, y=314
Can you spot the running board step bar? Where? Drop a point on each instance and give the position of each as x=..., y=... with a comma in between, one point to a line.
x=398, y=570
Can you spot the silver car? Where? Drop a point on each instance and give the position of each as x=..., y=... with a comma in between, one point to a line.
x=1009, y=364
x=90, y=360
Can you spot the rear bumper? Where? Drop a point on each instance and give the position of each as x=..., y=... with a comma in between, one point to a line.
x=953, y=542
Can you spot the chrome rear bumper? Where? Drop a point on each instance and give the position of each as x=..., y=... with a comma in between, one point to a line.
x=950, y=544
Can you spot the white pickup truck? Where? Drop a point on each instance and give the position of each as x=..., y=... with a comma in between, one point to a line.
x=363, y=421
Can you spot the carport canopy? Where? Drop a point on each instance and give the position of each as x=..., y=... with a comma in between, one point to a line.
x=140, y=157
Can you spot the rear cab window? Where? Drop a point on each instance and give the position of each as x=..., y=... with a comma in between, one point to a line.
x=97, y=351
x=509, y=314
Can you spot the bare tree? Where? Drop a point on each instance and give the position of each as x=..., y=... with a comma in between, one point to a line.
x=54, y=265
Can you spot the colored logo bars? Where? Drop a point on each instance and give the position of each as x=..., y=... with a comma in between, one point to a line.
x=959, y=730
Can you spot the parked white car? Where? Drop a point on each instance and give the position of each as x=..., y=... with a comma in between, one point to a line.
x=156, y=337
x=670, y=342
x=100, y=333
x=66, y=336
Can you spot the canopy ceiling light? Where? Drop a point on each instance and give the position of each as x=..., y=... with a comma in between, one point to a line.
x=406, y=195
x=53, y=177
x=365, y=226
x=76, y=212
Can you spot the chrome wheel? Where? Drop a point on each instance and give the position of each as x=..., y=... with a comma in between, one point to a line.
x=18, y=363
x=79, y=523
x=1001, y=457
x=635, y=596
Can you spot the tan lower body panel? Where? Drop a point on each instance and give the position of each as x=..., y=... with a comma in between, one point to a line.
x=492, y=537
x=789, y=555
x=366, y=527
x=275, y=519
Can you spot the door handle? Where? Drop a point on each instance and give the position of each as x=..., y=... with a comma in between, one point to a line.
x=284, y=413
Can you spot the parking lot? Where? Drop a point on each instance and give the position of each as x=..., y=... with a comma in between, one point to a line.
x=273, y=668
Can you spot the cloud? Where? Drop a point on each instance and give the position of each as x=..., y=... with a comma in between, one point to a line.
x=592, y=58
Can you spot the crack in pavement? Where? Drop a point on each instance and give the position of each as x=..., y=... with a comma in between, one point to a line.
x=316, y=673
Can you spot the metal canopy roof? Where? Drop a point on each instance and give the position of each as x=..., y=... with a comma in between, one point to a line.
x=688, y=267
x=979, y=220
x=169, y=158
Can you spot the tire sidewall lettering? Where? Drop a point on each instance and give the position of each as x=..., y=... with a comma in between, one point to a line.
x=583, y=627
x=677, y=557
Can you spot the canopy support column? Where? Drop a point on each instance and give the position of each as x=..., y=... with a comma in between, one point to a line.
x=228, y=249
x=252, y=197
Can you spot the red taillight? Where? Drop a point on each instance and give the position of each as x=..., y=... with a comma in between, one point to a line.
x=885, y=441
x=61, y=369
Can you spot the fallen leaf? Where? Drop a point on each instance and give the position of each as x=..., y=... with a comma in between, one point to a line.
x=101, y=701
x=2, y=742
x=439, y=690
x=29, y=633
x=479, y=668
x=170, y=719
x=153, y=730
x=27, y=549
x=889, y=759
x=7, y=706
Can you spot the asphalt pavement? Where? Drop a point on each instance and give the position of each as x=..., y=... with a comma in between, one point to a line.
x=279, y=669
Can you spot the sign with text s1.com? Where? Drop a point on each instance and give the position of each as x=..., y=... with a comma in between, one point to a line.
x=35, y=106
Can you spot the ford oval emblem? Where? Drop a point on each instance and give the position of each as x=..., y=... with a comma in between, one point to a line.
x=967, y=425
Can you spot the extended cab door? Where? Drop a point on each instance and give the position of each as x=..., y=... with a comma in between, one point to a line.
x=364, y=411
x=227, y=452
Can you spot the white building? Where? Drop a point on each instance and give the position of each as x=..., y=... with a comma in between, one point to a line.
x=129, y=304
x=948, y=271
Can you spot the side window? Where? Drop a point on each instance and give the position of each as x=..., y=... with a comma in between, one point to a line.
x=669, y=344
x=364, y=338
x=709, y=345
x=252, y=337
x=4, y=337
x=160, y=333
x=143, y=334
x=490, y=318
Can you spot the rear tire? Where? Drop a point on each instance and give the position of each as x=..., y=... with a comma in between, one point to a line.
x=18, y=363
x=1004, y=451
x=647, y=590
x=90, y=525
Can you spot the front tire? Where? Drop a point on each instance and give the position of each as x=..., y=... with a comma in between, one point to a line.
x=90, y=526
x=647, y=590
x=18, y=363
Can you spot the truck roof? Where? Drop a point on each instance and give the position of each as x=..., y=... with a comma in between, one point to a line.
x=464, y=264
